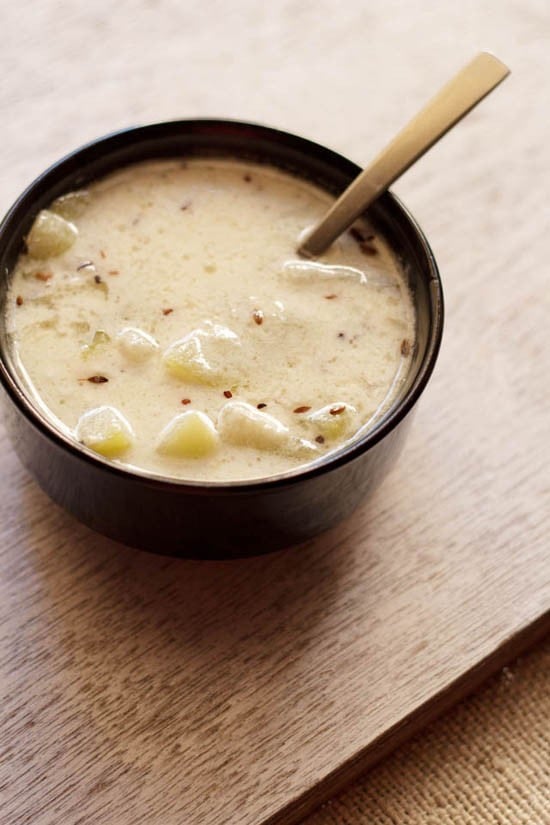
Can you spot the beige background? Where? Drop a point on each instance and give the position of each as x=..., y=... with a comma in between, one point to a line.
x=347, y=75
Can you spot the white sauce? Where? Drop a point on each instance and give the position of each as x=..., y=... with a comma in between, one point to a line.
x=183, y=285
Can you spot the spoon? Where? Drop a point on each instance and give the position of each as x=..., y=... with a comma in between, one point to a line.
x=464, y=91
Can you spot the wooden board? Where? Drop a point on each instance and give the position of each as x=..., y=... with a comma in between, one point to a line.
x=140, y=689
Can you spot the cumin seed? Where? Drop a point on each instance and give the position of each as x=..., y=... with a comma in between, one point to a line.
x=368, y=248
x=97, y=379
x=359, y=235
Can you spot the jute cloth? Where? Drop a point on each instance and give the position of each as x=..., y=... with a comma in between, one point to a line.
x=486, y=762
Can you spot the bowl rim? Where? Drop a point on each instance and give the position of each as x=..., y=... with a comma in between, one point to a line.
x=331, y=461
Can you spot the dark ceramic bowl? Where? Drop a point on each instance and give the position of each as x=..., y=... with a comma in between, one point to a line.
x=215, y=520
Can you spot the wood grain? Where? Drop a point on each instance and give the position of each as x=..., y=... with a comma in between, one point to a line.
x=141, y=689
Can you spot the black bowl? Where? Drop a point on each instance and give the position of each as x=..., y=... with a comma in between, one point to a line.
x=216, y=520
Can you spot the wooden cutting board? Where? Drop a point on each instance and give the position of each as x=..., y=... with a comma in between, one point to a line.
x=138, y=689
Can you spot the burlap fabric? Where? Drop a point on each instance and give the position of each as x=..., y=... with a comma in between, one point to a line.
x=486, y=762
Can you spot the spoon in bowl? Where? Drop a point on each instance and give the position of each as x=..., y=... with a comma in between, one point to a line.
x=464, y=91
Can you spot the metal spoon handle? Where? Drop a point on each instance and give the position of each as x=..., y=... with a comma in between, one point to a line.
x=453, y=101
